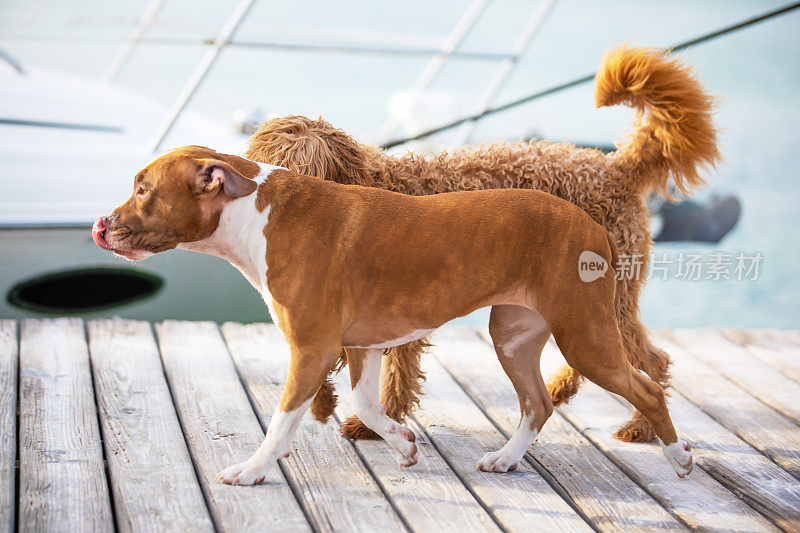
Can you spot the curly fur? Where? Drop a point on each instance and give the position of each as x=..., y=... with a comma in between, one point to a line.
x=673, y=139
x=401, y=383
x=676, y=138
x=324, y=402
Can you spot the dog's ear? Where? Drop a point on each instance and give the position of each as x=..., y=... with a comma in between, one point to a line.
x=215, y=175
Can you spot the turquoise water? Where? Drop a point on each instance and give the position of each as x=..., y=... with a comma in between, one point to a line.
x=756, y=72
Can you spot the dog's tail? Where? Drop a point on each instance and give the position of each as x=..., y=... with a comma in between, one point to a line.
x=674, y=136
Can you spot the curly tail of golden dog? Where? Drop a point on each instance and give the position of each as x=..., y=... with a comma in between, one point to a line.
x=674, y=138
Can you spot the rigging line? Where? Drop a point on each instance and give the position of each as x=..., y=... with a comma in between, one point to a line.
x=202, y=70
x=584, y=79
x=16, y=65
x=60, y=125
x=435, y=64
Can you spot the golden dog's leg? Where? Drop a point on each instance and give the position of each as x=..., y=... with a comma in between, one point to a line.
x=307, y=371
x=401, y=387
x=519, y=335
x=402, y=379
x=563, y=385
x=325, y=401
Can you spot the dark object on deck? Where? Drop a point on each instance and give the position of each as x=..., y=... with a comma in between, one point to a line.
x=84, y=289
x=692, y=221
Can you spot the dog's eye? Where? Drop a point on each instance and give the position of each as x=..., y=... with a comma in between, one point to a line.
x=141, y=191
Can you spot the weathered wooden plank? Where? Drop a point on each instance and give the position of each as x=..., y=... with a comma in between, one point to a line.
x=520, y=500
x=221, y=429
x=765, y=429
x=734, y=362
x=770, y=346
x=152, y=477
x=752, y=477
x=9, y=356
x=429, y=495
x=596, y=413
x=339, y=493
x=62, y=483
x=603, y=493
x=747, y=473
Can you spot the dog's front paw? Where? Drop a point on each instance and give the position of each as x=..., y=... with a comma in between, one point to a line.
x=407, y=452
x=679, y=455
x=498, y=461
x=243, y=474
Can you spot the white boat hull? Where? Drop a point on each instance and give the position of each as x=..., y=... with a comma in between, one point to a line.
x=195, y=286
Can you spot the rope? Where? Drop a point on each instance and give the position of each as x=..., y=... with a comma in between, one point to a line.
x=590, y=77
x=62, y=125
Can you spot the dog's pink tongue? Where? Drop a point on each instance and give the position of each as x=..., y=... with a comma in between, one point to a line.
x=97, y=234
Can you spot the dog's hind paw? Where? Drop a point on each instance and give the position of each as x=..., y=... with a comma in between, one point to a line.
x=679, y=455
x=404, y=460
x=407, y=452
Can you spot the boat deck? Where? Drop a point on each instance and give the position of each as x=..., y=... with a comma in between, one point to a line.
x=117, y=424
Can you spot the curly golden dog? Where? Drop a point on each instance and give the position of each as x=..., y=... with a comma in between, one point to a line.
x=673, y=139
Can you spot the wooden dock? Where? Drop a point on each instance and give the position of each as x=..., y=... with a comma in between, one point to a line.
x=122, y=425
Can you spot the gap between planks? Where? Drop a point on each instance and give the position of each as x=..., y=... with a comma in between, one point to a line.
x=338, y=491
x=153, y=481
x=418, y=497
x=62, y=478
x=738, y=364
x=9, y=356
x=595, y=413
x=221, y=429
x=766, y=430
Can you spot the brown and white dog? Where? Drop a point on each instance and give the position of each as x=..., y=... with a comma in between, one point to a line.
x=368, y=269
x=673, y=140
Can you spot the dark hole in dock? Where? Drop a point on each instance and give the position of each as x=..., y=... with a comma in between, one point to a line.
x=84, y=289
